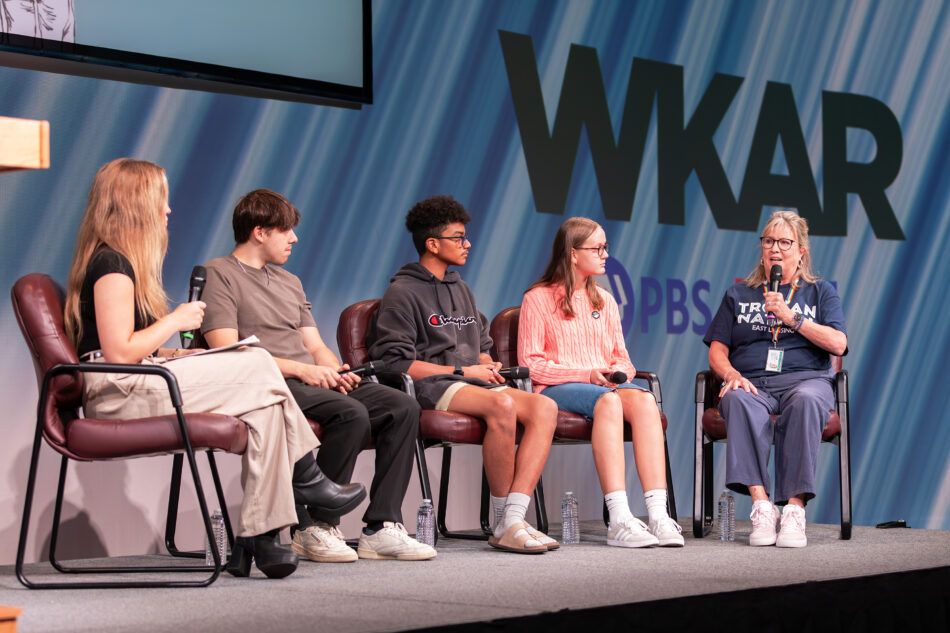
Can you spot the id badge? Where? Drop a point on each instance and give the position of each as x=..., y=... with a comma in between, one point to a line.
x=773, y=361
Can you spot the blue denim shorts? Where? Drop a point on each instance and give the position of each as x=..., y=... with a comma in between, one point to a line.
x=582, y=397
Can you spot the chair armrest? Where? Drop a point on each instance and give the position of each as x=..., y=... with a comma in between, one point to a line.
x=397, y=380
x=119, y=368
x=841, y=385
x=653, y=384
x=708, y=385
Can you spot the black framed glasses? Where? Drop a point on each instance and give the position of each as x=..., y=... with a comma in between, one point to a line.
x=783, y=244
x=601, y=250
x=458, y=239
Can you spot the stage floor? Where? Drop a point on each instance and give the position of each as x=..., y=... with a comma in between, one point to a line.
x=470, y=582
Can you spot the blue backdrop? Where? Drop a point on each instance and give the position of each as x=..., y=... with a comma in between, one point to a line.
x=444, y=121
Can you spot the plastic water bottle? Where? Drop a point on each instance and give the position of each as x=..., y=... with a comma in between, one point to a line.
x=425, y=526
x=220, y=539
x=570, y=532
x=727, y=516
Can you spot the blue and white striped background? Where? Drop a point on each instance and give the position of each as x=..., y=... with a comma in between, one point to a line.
x=443, y=122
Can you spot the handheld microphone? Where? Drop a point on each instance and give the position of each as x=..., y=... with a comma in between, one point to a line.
x=197, y=284
x=617, y=377
x=514, y=373
x=775, y=280
x=366, y=369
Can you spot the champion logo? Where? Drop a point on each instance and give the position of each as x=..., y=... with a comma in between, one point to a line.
x=440, y=320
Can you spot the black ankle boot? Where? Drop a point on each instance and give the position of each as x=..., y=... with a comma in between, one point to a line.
x=275, y=560
x=323, y=496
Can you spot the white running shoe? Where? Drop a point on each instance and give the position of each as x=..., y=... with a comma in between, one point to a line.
x=765, y=518
x=394, y=543
x=792, y=533
x=630, y=532
x=668, y=532
x=323, y=543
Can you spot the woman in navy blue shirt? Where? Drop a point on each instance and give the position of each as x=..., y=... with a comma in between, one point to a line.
x=772, y=350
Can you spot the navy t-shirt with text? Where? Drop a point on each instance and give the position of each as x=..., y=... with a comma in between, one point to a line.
x=741, y=325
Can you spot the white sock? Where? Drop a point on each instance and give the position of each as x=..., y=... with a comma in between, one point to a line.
x=497, y=510
x=516, y=506
x=656, y=504
x=617, y=506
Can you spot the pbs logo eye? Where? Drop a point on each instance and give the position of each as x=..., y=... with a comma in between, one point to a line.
x=616, y=280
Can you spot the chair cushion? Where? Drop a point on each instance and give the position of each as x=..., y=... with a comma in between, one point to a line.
x=448, y=426
x=576, y=428
x=715, y=426
x=91, y=438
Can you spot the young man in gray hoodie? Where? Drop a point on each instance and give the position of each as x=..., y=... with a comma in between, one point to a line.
x=428, y=326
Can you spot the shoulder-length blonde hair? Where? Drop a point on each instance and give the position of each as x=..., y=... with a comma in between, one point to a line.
x=572, y=234
x=798, y=226
x=125, y=212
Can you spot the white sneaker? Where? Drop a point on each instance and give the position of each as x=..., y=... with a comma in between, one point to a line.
x=630, y=532
x=765, y=517
x=792, y=533
x=323, y=543
x=668, y=532
x=394, y=543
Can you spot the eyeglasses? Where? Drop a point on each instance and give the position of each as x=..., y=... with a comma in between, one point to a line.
x=783, y=244
x=601, y=250
x=458, y=239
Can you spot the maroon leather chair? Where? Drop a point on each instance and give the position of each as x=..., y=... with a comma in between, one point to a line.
x=436, y=428
x=711, y=428
x=573, y=428
x=38, y=305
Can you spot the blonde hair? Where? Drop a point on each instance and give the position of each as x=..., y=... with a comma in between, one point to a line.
x=125, y=212
x=572, y=233
x=798, y=226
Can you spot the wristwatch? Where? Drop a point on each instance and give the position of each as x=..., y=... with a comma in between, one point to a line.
x=459, y=371
x=797, y=322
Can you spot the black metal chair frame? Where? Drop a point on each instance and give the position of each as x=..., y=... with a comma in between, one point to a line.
x=708, y=383
x=175, y=396
x=484, y=519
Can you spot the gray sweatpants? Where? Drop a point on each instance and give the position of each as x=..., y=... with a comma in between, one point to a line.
x=802, y=401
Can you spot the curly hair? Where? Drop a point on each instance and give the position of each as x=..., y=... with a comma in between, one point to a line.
x=427, y=218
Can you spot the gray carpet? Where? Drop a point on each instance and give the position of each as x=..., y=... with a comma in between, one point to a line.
x=470, y=582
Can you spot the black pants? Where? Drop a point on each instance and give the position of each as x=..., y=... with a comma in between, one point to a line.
x=348, y=421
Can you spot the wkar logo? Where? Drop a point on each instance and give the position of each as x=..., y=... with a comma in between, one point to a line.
x=439, y=320
x=683, y=149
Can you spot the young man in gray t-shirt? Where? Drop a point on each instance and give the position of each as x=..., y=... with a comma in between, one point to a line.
x=247, y=292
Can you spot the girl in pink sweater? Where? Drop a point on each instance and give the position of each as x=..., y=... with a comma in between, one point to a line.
x=570, y=338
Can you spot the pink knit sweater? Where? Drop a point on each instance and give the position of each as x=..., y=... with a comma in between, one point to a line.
x=558, y=350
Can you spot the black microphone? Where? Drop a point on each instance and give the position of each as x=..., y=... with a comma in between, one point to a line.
x=775, y=280
x=197, y=284
x=366, y=369
x=617, y=377
x=514, y=373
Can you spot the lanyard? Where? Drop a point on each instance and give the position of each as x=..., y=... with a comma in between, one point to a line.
x=788, y=298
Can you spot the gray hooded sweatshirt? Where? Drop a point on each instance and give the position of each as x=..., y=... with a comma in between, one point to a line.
x=422, y=317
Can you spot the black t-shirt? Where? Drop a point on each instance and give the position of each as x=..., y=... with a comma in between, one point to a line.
x=741, y=325
x=103, y=262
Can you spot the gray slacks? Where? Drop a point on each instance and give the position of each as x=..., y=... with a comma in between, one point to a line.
x=802, y=402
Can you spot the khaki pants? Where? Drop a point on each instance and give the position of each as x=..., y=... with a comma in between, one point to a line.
x=245, y=384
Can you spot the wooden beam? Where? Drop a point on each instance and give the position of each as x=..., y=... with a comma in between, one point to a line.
x=24, y=144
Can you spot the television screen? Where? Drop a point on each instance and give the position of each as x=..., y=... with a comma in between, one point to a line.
x=301, y=50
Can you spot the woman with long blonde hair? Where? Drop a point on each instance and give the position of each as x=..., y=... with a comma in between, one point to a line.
x=570, y=338
x=772, y=348
x=117, y=312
